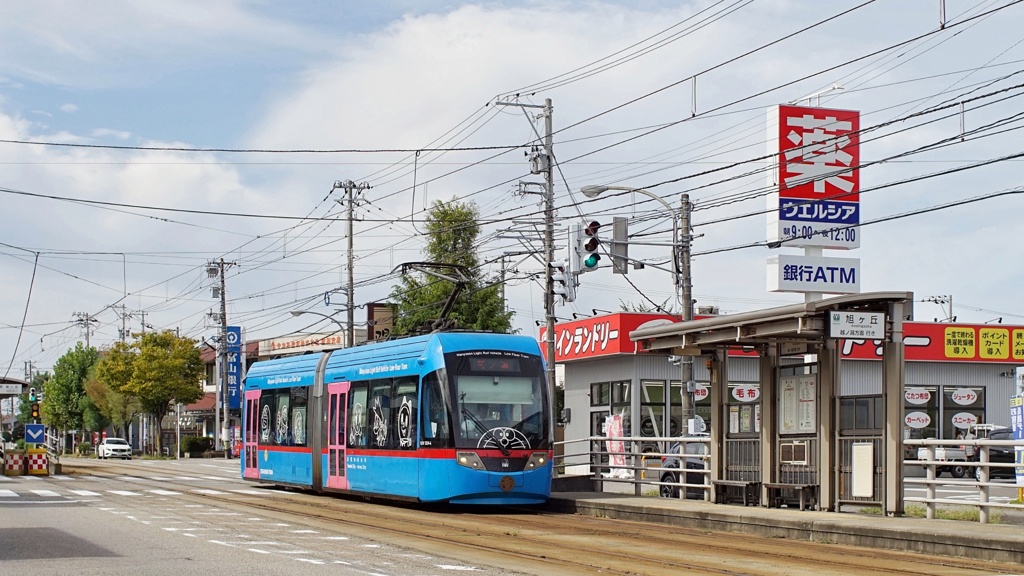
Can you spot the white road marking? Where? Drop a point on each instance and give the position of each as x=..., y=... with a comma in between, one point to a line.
x=165, y=492
x=46, y=493
x=8, y=494
x=85, y=493
x=124, y=493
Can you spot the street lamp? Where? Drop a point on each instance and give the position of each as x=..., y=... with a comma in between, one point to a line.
x=331, y=318
x=593, y=191
x=681, y=270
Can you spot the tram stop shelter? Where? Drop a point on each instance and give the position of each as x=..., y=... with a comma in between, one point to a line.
x=800, y=455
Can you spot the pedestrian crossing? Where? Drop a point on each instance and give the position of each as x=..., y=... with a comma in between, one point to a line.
x=63, y=487
x=7, y=494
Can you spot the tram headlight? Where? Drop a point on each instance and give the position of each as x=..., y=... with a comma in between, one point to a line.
x=469, y=460
x=537, y=460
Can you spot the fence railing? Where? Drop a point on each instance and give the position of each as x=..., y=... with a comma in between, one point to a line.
x=632, y=461
x=979, y=470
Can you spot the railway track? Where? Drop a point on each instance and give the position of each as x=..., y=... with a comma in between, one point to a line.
x=537, y=542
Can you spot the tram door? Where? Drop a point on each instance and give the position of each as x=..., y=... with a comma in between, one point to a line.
x=251, y=469
x=337, y=403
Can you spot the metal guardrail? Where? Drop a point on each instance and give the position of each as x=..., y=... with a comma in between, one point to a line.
x=978, y=477
x=632, y=464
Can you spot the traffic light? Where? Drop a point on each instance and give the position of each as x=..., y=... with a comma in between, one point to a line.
x=589, y=247
x=32, y=394
x=562, y=281
x=35, y=410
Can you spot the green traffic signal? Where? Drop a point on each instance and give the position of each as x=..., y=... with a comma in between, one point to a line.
x=591, y=260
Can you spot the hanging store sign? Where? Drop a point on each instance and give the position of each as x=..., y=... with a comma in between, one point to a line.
x=814, y=177
x=235, y=365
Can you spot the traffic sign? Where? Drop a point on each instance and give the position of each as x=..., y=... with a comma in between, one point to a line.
x=35, y=433
x=13, y=389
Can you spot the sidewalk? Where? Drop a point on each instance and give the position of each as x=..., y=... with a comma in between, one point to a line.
x=996, y=542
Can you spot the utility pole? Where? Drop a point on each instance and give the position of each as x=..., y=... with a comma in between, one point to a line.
x=549, y=245
x=352, y=190
x=686, y=304
x=544, y=163
x=85, y=320
x=220, y=421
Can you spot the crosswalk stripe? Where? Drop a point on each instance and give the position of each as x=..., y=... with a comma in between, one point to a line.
x=165, y=492
x=208, y=491
x=8, y=494
x=85, y=493
x=46, y=493
x=124, y=492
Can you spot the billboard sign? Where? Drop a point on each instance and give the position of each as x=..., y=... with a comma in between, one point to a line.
x=944, y=342
x=795, y=273
x=815, y=183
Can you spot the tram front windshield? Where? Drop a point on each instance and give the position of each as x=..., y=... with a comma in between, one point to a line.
x=499, y=401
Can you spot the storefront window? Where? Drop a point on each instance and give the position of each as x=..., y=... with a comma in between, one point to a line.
x=600, y=393
x=921, y=412
x=961, y=407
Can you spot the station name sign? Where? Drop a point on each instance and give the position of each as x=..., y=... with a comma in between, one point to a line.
x=856, y=324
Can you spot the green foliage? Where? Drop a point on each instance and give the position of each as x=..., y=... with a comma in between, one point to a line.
x=84, y=448
x=452, y=229
x=166, y=369
x=196, y=444
x=20, y=444
x=63, y=393
x=109, y=389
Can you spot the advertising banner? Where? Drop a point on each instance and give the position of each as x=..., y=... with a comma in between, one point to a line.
x=815, y=183
x=1017, y=422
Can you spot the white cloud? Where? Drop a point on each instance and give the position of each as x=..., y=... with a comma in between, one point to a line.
x=107, y=132
x=69, y=108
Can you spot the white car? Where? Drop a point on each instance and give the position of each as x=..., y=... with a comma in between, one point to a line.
x=114, y=448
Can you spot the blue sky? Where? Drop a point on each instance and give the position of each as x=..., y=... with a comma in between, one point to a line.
x=401, y=76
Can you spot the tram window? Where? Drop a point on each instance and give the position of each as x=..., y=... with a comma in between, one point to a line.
x=381, y=432
x=266, y=418
x=298, y=415
x=282, y=428
x=405, y=412
x=435, y=417
x=357, y=410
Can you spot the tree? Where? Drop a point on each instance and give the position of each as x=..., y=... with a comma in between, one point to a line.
x=452, y=231
x=61, y=407
x=109, y=389
x=166, y=369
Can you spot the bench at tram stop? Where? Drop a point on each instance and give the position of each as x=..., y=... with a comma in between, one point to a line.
x=779, y=493
x=745, y=491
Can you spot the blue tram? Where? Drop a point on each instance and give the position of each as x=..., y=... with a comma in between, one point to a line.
x=447, y=417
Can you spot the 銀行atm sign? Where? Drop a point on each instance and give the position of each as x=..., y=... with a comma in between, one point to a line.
x=600, y=335
x=815, y=181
